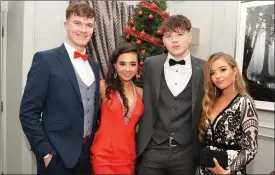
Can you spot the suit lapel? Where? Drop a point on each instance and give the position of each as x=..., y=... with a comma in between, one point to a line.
x=158, y=72
x=68, y=66
x=196, y=77
x=94, y=68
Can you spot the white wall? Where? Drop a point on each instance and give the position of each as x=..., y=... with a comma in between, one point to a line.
x=4, y=9
x=13, y=65
x=217, y=22
x=32, y=26
x=38, y=25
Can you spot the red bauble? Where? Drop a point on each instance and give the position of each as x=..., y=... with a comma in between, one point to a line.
x=154, y=6
x=164, y=14
x=140, y=13
x=159, y=32
x=138, y=42
x=142, y=34
x=143, y=51
x=132, y=22
x=163, y=18
x=127, y=30
x=134, y=29
x=152, y=39
x=141, y=63
x=127, y=37
x=150, y=17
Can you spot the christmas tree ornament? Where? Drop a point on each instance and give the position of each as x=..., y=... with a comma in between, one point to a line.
x=164, y=16
x=127, y=30
x=154, y=6
x=159, y=32
x=152, y=39
x=150, y=17
x=140, y=13
x=134, y=29
x=143, y=51
x=144, y=28
x=127, y=37
x=142, y=34
x=132, y=22
x=138, y=42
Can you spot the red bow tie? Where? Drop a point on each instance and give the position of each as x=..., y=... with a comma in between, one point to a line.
x=83, y=56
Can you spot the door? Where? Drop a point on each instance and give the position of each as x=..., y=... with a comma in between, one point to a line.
x=1, y=105
x=3, y=47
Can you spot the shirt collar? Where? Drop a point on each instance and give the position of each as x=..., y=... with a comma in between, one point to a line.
x=71, y=50
x=187, y=59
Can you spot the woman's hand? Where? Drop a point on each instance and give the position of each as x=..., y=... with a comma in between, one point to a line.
x=218, y=169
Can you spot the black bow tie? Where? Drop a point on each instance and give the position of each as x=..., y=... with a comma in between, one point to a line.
x=174, y=62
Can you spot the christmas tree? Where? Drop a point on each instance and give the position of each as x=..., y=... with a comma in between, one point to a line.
x=144, y=30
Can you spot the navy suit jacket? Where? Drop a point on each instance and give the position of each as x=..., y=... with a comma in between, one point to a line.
x=51, y=111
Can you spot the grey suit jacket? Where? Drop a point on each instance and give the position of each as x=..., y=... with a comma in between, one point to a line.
x=151, y=76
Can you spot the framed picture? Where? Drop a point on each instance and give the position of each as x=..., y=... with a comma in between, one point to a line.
x=255, y=50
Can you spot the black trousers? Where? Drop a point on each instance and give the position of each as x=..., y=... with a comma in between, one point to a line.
x=56, y=165
x=165, y=159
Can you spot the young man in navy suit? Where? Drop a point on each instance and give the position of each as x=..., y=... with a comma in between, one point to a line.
x=60, y=103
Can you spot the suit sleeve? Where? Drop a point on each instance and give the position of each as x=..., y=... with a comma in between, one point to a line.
x=32, y=105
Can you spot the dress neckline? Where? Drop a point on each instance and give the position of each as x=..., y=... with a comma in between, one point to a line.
x=131, y=109
x=219, y=114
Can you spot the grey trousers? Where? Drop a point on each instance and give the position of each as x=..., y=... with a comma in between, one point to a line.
x=164, y=159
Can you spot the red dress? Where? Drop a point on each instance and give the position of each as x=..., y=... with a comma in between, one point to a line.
x=113, y=150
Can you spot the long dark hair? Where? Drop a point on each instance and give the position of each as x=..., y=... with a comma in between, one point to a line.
x=115, y=84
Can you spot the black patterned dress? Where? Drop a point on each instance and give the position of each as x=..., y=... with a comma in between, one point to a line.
x=235, y=127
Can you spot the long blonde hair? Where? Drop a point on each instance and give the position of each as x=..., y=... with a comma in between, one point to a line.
x=211, y=93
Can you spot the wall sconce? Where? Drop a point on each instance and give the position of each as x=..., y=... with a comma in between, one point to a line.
x=195, y=37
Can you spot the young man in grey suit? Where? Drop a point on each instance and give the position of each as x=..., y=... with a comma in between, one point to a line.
x=167, y=140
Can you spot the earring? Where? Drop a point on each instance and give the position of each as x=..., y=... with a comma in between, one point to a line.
x=215, y=90
x=137, y=76
x=233, y=87
x=115, y=75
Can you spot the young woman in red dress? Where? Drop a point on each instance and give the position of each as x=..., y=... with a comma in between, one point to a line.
x=113, y=150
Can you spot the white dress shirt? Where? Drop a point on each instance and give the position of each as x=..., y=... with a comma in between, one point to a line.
x=83, y=68
x=177, y=76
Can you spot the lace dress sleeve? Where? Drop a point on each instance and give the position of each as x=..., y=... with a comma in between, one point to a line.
x=249, y=139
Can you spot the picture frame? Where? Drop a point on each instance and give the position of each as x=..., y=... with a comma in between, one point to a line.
x=254, y=51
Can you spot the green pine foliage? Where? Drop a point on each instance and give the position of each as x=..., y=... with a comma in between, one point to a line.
x=142, y=23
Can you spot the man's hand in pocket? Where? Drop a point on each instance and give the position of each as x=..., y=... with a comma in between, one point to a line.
x=48, y=160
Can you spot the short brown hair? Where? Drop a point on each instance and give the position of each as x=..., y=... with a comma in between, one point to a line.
x=81, y=9
x=175, y=22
